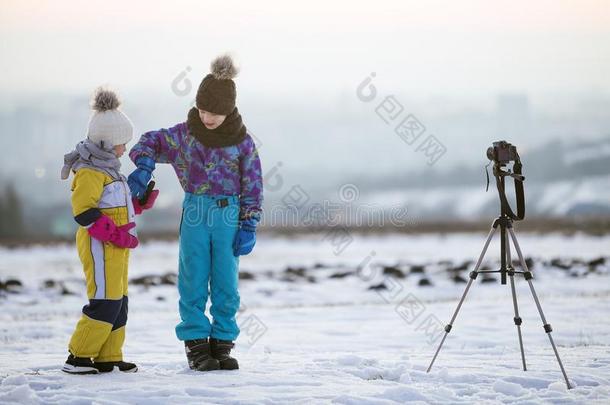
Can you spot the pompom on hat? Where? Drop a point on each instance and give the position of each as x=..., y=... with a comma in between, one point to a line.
x=108, y=125
x=217, y=93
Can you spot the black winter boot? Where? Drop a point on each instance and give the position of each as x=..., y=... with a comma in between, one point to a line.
x=79, y=365
x=221, y=350
x=198, y=355
x=108, y=366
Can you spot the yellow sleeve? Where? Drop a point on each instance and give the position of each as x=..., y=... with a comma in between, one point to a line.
x=87, y=189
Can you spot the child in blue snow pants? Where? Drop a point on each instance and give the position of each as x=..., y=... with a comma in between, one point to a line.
x=207, y=232
x=218, y=166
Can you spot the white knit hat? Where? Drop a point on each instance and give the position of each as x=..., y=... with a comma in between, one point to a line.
x=108, y=124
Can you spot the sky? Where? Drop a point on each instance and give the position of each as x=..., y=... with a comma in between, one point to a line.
x=465, y=49
x=448, y=63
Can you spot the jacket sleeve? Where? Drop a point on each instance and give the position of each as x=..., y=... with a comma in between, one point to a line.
x=251, y=198
x=87, y=189
x=162, y=145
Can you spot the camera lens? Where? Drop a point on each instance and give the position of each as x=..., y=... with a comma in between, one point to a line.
x=490, y=153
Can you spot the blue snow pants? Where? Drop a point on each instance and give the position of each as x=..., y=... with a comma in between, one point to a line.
x=207, y=230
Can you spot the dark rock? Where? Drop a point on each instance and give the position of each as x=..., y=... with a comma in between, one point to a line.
x=13, y=285
x=64, y=290
x=11, y=282
x=169, y=279
x=578, y=262
x=311, y=279
x=464, y=266
x=458, y=279
x=393, y=271
x=560, y=264
x=377, y=287
x=528, y=261
x=297, y=271
x=246, y=275
x=597, y=262
x=342, y=274
x=424, y=282
x=417, y=269
x=488, y=279
x=160, y=298
x=147, y=281
x=57, y=285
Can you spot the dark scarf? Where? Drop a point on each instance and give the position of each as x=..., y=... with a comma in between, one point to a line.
x=231, y=132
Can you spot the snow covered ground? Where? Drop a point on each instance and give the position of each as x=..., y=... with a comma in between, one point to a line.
x=327, y=319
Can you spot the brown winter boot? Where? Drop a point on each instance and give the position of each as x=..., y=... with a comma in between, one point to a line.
x=198, y=355
x=221, y=350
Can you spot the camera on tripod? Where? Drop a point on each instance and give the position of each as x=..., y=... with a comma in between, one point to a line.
x=502, y=152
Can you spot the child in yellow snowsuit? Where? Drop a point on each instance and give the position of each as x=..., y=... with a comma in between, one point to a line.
x=102, y=205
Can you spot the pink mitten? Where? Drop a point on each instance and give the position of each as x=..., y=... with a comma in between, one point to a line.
x=138, y=208
x=102, y=229
x=122, y=238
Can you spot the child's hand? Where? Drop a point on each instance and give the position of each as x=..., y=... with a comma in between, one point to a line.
x=139, y=178
x=102, y=229
x=105, y=230
x=246, y=237
x=122, y=238
x=138, y=207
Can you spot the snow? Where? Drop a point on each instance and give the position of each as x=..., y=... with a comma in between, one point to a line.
x=310, y=338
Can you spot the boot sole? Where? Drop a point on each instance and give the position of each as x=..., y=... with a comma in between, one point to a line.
x=229, y=366
x=70, y=369
x=213, y=368
x=207, y=366
x=130, y=370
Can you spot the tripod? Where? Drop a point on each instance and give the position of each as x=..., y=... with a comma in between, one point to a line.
x=505, y=223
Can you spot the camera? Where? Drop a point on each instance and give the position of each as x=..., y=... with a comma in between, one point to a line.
x=502, y=152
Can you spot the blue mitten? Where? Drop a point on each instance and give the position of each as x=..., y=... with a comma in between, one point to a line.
x=246, y=237
x=139, y=178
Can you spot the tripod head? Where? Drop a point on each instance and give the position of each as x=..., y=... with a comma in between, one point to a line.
x=502, y=154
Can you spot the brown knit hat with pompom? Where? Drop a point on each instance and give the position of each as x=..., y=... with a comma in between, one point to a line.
x=216, y=93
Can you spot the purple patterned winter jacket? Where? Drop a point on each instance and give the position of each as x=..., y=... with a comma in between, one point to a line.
x=231, y=170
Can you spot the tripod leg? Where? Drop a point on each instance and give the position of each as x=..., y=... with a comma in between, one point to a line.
x=473, y=276
x=517, y=318
x=547, y=327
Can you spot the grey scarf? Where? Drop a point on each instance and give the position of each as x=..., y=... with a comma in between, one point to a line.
x=88, y=154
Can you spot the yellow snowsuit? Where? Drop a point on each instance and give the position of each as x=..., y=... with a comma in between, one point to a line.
x=100, y=332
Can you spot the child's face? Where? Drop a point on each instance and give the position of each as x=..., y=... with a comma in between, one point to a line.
x=119, y=150
x=211, y=120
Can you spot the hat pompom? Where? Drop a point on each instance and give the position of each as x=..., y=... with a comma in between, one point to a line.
x=105, y=100
x=223, y=68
